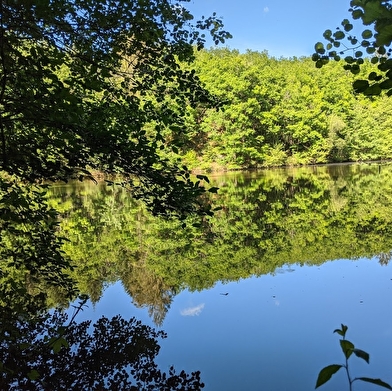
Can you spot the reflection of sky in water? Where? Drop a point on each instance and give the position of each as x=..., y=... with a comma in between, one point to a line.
x=275, y=332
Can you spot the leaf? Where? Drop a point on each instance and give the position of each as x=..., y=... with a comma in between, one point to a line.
x=342, y=331
x=347, y=347
x=327, y=34
x=213, y=189
x=33, y=375
x=319, y=47
x=203, y=177
x=326, y=373
x=339, y=35
x=374, y=89
x=366, y=34
x=58, y=343
x=348, y=27
x=362, y=354
x=360, y=85
x=356, y=14
x=378, y=382
x=386, y=84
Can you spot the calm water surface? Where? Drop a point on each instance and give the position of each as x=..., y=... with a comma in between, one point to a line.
x=269, y=326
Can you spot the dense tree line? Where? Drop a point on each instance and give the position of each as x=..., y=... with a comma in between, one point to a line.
x=283, y=112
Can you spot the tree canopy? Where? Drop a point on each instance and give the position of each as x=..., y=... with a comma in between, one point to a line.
x=373, y=41
x=97, y=85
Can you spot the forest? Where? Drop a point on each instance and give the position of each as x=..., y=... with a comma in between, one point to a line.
x=126, y=92
x=283, y=112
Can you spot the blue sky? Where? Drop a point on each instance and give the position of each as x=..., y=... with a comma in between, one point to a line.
x=285, y=28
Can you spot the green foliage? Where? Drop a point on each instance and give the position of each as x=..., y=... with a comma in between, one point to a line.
x=267, y=219
x=348, y=349
x=86, y=87
x=31, y=255
x=282, y=112
x=373, y=41
x=81, y=83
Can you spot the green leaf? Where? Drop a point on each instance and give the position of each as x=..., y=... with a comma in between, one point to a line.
x=327, y=34
x=362, y=354
x=378, y=382
x=360, y=85
x=319, y=47
x=373, y=90
x=326, y=373
x=203, y=177
x=349, y=59
x=58, y=343
x=341, y=331
x=386, y=84
x=356, y=14
x=345, y=22
x=366, y=34
x=348, y=27
x=33, y=375
x=339, y=35
x=213, y=189
x=347, y=347
x=374, y=60
x=370, y=50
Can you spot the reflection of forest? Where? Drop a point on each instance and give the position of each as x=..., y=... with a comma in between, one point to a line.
x=268, y=219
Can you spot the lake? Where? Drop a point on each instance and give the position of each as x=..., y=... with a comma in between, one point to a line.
x=251, y=299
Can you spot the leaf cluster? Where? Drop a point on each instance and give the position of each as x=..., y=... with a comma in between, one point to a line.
x=374, y=41
x=79, y=83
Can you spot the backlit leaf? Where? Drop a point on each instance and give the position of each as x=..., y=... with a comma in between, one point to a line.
x=362, y=354
x=378, y=382
x=326, y=373
x=366, y=34
x=347, y=347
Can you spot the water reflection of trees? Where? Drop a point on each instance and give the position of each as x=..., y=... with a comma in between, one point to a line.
x=384, y=258
x=45, y=353
x=268, y=219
